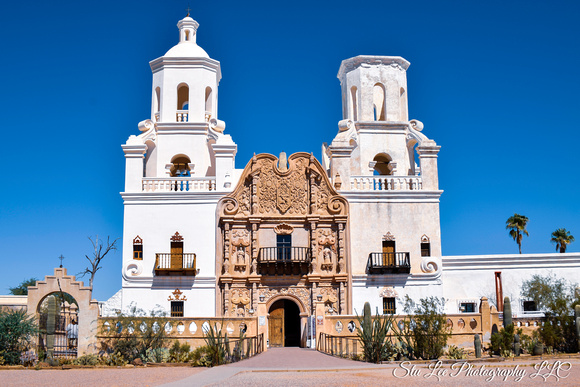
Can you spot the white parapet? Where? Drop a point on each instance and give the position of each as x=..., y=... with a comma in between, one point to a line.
x=178, y=184
x=384, y=183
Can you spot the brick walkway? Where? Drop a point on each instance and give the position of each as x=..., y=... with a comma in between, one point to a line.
x=275, y=359
x=306, y=367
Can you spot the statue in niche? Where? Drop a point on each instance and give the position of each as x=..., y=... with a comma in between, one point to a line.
x=327, y=255
x=240, y=256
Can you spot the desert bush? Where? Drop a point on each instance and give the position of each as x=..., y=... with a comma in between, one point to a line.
x=454, y=352
x=136, y=335
x=17, y=329
x=179, y=353
x=427, y=327
x=88, y=360
x=557, y=298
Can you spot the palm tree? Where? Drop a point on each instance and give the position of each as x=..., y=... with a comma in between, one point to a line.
x=517, y=226
x=562, y=238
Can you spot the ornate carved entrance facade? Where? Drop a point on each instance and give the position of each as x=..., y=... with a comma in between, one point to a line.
x=283, y=233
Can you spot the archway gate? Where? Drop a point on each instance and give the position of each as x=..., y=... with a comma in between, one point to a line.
x=86, y=314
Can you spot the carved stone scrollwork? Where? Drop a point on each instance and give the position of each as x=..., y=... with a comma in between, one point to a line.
x=283, y=229
x=389, y=292
x=330, y=300
x=388, y=236
x=240, y=301
x=299, y=292
x=230, y=206
x=430, y=265
x=337, y=205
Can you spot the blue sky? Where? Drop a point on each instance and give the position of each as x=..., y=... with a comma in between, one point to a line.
x=495, y=83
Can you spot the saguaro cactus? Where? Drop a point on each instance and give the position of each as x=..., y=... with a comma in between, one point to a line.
x=477, y=345
x=367, y=324
x=517, y=346
x=507, y=312
x=52, y=314
x=577, y=320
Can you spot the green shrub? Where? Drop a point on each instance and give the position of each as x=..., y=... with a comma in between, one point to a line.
x=216, y=345
x=373, y=334
x=157, y=355
x=88, y=360
x=179, y=353
x=454, y=352
x=502, y=342
x=17, y=330
x=199, y=357
x=134, y=335
x=557, y=298
x=427, y=327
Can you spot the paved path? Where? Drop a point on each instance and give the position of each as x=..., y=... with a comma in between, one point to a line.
x=306, y=367
x=275, y=360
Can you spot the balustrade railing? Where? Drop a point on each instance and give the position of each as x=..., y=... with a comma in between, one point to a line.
x=178, y=184
x=389, y=263
x=166, y=263
x=386, y=183
x=182, y=115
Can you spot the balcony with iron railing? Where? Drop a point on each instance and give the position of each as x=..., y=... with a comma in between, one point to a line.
x=175, y=264
x=394, y=263
x=284, y=260
x=178, y=184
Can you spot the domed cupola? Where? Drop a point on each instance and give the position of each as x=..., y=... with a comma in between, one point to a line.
x=185, y=80
x=187, y=46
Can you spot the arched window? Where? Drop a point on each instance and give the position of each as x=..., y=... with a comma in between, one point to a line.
x=180, y=166
x=425, y=246
x=382, y=166
x=138, y=248
x=208, y=100
x=182, y=97
x=353, y=114
x=157, y=99
x=379, y=103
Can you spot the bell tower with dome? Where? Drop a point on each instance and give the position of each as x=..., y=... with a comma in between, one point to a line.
x=177, y=169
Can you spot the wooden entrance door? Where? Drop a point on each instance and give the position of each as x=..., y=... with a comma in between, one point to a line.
x=176, y=255
x=276, y=325
x=388, y=253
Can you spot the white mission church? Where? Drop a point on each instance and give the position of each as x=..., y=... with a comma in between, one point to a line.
x=204, y=239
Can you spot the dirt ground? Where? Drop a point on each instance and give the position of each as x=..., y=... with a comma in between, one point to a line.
x=144, y=376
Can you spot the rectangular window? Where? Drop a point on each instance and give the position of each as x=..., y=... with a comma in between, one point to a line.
x=176, y=308
x=137, y=251
x=425, y=249
x=467, y=307
x=284, y=247
x=530, y=306
x=389, y=305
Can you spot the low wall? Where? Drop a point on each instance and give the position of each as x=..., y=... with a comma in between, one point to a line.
x=185, y=329
x=463, y=325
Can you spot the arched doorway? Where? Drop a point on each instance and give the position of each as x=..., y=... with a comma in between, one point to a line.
x=284, y=324
x=58, y=325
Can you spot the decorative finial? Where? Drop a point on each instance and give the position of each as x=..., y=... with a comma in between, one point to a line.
x=188, y=10
x=61, y=258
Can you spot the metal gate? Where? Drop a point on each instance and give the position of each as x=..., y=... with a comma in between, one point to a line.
x=58, y=326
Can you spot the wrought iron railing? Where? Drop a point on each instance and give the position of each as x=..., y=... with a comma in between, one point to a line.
x=284, y=255
x=341, y=346
x=166, y=263
x=381, y=263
